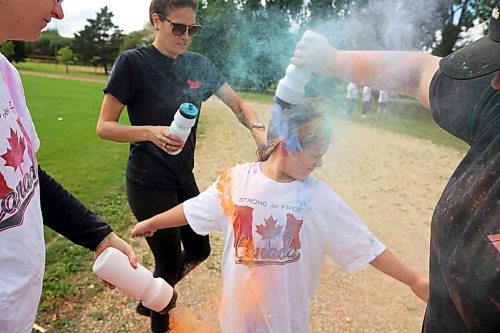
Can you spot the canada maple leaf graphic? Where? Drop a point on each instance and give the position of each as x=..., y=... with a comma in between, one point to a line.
x=4, y=188
x=269, y=230
x=15, y=156
x=292, y=230
x=27, y=138
x=194, y=84
x=243, y=224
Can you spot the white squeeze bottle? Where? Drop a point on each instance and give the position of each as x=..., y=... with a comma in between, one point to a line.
x=156, y=294
x=184, y=119
x=290, y=89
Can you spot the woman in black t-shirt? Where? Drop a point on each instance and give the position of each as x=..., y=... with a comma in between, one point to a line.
x=152, y=81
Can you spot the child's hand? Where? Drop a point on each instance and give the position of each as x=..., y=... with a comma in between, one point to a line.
x=421, y=288
x=143, y=229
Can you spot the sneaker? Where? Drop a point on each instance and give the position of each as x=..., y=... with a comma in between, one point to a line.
x=142, y=310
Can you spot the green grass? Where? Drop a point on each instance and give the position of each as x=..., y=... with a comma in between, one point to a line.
x=75, y=71
x=65, y=113
x=261, y=97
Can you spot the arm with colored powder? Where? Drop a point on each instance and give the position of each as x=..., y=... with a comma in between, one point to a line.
x=408, y=73
x=174, y=217
x=390, y=265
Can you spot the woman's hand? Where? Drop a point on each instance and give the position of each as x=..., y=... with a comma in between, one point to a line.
x=143, y=229
x=166, y=141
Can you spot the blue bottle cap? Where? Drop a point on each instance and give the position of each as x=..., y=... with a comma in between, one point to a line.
x=188, y=110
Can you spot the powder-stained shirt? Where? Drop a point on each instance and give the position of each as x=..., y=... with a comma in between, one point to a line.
x=274, y=245
x=22, y=247
x=465, y=237
x=153, y=86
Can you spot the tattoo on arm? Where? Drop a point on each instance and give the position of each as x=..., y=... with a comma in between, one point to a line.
x=242, y=118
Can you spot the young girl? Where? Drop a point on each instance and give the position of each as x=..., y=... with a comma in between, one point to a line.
x=278, y=222
x=152, y=81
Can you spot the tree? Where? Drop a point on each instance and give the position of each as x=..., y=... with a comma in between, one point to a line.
x=19, y=51
x=137, y=39
x=458, y=16
x=50, y=41
x=99, y=41
x=66, y=56
x=7, y=49
x=250, y=43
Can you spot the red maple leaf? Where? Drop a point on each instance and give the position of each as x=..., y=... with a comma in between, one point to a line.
x=15, y=156
x=243, y=224
x=194, y=84
x=26, y=136
x=4, y=188
x=269, y=229
x=292, y=230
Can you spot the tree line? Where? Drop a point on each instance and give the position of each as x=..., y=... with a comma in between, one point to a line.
x=251, y=41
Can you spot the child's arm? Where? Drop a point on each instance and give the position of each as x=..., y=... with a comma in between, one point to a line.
x=171, y=218
x=390, y=265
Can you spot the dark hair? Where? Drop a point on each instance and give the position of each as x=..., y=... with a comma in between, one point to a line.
x=296, y=126
x=164, y=7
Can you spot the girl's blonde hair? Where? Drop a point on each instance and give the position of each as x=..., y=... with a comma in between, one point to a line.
x=295, y=126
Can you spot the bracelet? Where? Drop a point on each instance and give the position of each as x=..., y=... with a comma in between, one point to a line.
x=257, y=125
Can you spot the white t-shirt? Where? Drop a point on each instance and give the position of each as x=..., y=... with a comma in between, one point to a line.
x=366, y=95
x=275, y=245
x=22, y=248
x=352, y=91
x=383, y=96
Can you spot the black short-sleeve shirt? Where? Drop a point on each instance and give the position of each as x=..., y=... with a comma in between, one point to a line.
x=153, y=86
x=465, y=235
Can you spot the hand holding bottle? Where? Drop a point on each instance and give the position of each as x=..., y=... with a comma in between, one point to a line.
x=114, y=267
x=315, y=53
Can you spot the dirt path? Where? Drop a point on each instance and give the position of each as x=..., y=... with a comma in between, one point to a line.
x=392, y=181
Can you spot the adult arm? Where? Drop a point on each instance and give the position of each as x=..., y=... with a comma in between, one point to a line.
x=408, y=73
x=242, y=111
x=66, y=215
x=109, y=128
x=174, y=217
x=390, y=265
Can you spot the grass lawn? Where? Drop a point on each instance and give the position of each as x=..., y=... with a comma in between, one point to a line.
x=74, y=71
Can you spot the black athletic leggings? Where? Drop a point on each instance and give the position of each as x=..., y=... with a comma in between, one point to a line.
x=172, y=262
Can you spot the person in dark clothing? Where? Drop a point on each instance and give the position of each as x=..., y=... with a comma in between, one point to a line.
x=153, y=81
x=462, y=91
x=29, y=197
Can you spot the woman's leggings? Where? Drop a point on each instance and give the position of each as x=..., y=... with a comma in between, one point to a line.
x=172, y=262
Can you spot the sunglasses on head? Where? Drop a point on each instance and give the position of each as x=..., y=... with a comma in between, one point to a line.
x=179, y=29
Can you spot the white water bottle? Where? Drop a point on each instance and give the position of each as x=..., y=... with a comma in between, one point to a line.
x=291, y=88
x=184, y=119
x=114, y=267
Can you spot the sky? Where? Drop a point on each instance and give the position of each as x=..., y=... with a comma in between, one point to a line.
x=129, y=15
